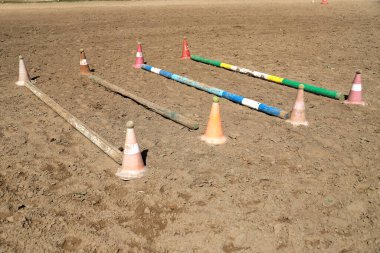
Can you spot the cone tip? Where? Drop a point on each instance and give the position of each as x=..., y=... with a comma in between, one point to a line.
x=301, y=86
x=358, y=71
x=20, y=57
x=130, y=124
x=215, y=99
x=81, y=50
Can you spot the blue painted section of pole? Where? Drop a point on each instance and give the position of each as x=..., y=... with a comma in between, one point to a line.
x=218, y=92
x=269, y=109
x=147, y=67
x=200, y=86
x=166, y=74
x=233, y=97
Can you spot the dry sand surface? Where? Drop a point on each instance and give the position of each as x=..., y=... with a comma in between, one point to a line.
x=270, y=188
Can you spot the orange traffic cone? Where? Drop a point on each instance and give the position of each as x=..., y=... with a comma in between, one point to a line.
x=297, y=115
x=214, y=133
x=324, y=2
x=139, y=57
x=84, y=67
x=23, y=75
x=185, y=49
x=132, y=165
x=355, y=95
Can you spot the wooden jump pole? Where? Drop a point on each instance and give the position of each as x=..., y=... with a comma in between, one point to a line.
x=95, y=138
x=178, y=118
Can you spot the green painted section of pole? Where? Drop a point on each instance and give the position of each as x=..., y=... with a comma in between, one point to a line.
x=101, y=143
x=314, y=89
x=176, y=117
x=207, y=61
x=308, y=87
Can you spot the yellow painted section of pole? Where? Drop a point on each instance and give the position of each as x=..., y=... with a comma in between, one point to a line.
x=226, y=66
x=275, y=79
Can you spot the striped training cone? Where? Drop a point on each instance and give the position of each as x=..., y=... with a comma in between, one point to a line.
x=324, y=2
x=297, y=115
x=139, y=57
x=355, y=95
x=84, y=67
x=214, y=133
x=132, y=165
x=185, y=49
x=23, y=75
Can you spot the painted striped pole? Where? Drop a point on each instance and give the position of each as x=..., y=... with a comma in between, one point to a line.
x=307, y=87
x=221, y=93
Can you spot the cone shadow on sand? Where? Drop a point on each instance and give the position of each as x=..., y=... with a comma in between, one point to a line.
x=132, y=166
x=297, y=115
x=214, y=133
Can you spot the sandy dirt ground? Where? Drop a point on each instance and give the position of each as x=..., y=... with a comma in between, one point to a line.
x=270, y=188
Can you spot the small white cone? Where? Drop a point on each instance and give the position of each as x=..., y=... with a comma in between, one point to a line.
x=23, y=75
x=297, y=115
x=132, y=165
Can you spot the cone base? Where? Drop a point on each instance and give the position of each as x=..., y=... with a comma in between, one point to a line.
x=137, y=66
x=20, y=83
x=85, y=73
x=214, y=140
x=298, y=123
x=185, y=57
x=130, y=174
x=347, y=102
